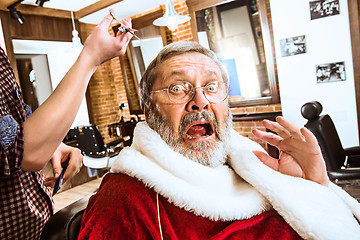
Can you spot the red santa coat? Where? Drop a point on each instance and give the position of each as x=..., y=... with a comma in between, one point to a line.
x=243, y=199
x=124, y=208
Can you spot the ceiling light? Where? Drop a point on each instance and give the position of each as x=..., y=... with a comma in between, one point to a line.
x=171, y=18
x=15, y=13
x=41, y=2
x=75, y=39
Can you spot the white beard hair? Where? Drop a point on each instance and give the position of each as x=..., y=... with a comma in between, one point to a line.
x=211, y=157
x=215, y=154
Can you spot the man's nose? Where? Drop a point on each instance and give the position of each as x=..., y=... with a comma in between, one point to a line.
x=199, y=102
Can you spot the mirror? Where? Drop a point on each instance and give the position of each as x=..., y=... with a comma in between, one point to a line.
x=238, y=33
x=142, y=52
x=139, y=54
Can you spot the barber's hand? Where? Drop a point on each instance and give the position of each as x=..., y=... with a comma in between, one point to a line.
x=300, y=154
x=100, y=46
x=68, y=157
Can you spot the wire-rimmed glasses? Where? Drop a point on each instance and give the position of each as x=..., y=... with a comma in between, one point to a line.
x=183, y=92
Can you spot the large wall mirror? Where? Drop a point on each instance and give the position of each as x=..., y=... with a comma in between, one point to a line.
x=239, y=34
x=139, y=54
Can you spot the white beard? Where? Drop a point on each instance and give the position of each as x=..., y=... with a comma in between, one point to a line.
x=215, y=153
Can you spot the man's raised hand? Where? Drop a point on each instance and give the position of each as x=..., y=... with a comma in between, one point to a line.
x=299, y=152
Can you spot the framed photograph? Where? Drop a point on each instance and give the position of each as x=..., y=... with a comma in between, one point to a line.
x=293, y=46
x=323, y=8
x=330, y=72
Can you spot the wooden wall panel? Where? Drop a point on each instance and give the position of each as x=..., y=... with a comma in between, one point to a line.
x=5, y=19
x=42, y=28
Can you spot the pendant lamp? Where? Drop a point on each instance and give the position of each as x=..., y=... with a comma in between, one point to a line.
x=75, y=39
x=171, y=18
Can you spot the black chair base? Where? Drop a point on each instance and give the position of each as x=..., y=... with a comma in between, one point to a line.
x=66, y=223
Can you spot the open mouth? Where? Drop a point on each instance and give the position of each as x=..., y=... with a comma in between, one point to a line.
x=199, y=130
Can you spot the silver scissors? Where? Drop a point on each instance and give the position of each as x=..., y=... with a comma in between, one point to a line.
x=123, y=28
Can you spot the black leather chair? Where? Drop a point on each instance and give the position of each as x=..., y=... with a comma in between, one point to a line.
x=341, y=163
x=96, y=154
x=65, y=224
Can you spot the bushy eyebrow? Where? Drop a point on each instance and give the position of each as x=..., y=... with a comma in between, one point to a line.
x=212, y=73
x=177, y=73
x=183, y=72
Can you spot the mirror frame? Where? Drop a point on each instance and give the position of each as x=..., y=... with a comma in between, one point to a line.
x=127, y=65
x=354, y=19
x=266, y=27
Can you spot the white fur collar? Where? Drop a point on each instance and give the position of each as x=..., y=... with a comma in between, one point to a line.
x=216, y=193
x=312, y=210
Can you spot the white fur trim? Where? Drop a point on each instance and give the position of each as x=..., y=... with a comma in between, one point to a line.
x=216, y=193
x=312, y=210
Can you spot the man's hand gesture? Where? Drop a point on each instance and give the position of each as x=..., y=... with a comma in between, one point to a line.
x=300, y=154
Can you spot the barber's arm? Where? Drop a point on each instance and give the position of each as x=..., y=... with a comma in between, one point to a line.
x=48, y=125
x=300, y=154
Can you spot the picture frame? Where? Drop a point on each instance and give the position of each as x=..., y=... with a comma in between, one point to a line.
x=323, y=8
x=293, y=46
x=330, y=72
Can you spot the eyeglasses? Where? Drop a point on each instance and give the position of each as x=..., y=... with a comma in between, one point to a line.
x=183, y=92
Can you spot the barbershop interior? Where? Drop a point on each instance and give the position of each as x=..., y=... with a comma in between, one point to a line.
x=297, y=59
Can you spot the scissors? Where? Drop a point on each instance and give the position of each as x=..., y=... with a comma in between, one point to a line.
x=123, y=28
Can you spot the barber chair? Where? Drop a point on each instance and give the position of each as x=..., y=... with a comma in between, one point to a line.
x=97, y=155
x=65, y=224
x=341, y=164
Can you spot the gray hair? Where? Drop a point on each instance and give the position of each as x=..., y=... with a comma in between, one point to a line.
x=171, y=50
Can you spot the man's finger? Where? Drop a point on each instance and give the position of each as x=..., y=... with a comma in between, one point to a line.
x=294, y=130
x=74, y=164
x=70, y=170
x=50, y=182
x=106, y=22
x=267, y=160
x=56, y=164
x=126, y=22
x=309, y=136
x=268, y=137
x=276, y=127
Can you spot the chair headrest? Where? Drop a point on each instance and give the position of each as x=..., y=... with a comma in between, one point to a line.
x=311, y=110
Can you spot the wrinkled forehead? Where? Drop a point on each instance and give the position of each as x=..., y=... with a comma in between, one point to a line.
x=187, y=67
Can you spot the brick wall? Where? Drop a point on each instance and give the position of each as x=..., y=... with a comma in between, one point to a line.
x=244, y=127
x=183, y=32
x=106, y=89
x=105, y=92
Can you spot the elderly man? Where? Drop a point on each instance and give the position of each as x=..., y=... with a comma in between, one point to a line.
x=189, y=175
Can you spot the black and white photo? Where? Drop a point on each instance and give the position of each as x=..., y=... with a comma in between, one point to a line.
x=330, y=72
x=293, y=46
x=323, y=8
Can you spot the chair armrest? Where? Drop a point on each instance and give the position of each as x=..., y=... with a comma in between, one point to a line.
x=65, y=224
x=114, y=143
x=352, y=151
x=353, y=157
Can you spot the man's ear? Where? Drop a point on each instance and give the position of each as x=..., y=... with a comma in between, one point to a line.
x=146, y=111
